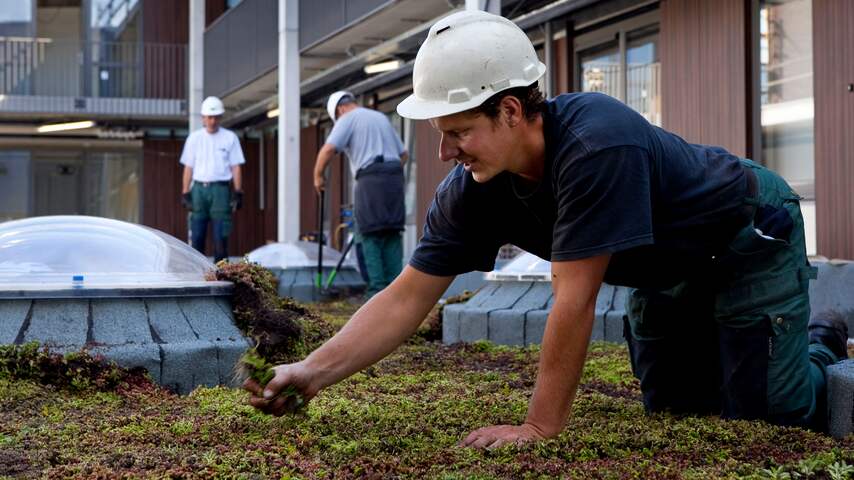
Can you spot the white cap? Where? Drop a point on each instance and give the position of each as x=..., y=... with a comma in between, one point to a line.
x=212, y=107
x=333, y=101
x=468, y=57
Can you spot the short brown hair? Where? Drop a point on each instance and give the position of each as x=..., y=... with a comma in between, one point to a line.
x=530, y=97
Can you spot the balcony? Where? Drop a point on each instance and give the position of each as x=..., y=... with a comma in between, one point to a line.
x=60, y=78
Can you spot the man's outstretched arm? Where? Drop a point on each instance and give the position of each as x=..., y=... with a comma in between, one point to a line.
x=374, y=331
x=576, y=285
x=324, y=156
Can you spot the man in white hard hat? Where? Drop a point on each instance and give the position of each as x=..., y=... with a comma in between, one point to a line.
x=212, y=160
x=713, y=245
x=376, y=156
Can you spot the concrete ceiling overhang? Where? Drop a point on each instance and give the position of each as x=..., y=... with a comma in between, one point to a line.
x=392, y=32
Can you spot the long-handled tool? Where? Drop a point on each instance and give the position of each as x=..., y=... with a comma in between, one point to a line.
x=334, y=272
x=319, y=278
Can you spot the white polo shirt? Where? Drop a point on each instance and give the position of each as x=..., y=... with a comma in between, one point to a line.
x=211, y=156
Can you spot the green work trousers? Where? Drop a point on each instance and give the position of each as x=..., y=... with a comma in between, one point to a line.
x=211, y=204
x=383, y=252
x=732, y=339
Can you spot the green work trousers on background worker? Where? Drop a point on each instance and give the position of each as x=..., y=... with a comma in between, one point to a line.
x=383, y=252
x=732, y=339
x=211, y=204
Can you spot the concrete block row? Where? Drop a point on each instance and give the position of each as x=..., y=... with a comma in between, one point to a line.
x=183, y=342
x=840, y=399
x=299, y=284
x=515, y=313
x=832, y=289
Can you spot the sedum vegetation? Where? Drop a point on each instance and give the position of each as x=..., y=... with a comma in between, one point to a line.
x=401, y=418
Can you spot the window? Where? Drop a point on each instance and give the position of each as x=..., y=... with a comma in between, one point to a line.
x=47, y=182
x=16, y=18
x=622, y=60
x=786, y=98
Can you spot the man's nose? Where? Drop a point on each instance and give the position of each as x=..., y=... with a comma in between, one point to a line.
x=447, y=149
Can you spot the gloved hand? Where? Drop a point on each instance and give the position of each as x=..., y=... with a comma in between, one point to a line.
x=187, y=200
x=236, y=200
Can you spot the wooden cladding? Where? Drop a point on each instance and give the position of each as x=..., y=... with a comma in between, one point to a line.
x=161, y=183
x=833, y=82
x=253, y=225
x=706, y=72
x=431, y=170
x=166, y=31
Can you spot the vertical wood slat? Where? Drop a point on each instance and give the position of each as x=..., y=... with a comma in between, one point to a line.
x=309, y=146
x=705, y=71
x=431, y=171
x=833, y=71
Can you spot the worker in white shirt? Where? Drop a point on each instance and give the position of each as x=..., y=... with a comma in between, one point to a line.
x=212, y=158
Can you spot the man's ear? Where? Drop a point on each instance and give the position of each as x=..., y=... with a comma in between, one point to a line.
x=511, y=110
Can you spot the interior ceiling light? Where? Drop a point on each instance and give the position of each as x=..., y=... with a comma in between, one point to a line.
x=273, y=113
x=59, y=127
x=383, y=66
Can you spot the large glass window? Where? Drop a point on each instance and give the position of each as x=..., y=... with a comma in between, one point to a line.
x=786, y=97
x=16, y=18
x=622, y=60
x=47, y=182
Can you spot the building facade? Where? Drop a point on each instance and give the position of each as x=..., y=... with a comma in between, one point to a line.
x=766, y=79
x=762, y=78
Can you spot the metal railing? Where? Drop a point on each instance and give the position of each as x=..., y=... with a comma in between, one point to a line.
x=59, y=68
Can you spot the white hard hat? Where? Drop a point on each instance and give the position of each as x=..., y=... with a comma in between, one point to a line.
x=332, y=103
x=468, y=57
x=212, y=107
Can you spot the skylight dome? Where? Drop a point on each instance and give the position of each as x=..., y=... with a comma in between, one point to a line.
x=80, y=251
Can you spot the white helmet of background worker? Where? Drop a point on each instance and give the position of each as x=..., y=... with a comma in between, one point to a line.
x=212, y=107
x=468, y=57
x=334, y=100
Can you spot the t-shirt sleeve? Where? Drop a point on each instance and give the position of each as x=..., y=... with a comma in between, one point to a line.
x=451, y=245
x=188, y=156
x=604, y=203
x=235, y=155
x=341, y=132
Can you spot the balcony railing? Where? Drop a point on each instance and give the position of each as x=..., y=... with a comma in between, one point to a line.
x=58, y=68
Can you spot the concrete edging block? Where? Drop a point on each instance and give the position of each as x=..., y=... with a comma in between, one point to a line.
x=840, y=398
x=451, y=323
x=474, y=324
x=535, y=326
x=120, y=320
x=13, y=315
x=131, y=355
x=185, y=366
x=228, y=354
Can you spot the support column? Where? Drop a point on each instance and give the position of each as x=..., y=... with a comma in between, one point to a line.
x=289, y=122
x=197, y=63
x=549, y=51
x=491, y=6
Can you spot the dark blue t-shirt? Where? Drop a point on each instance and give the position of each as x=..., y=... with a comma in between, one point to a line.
x=612, y=184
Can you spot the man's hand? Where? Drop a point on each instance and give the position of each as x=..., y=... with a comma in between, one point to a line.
x=319, y=183
x=291, y=375
x=498, y=435
x=236, y=200
x=187, y=200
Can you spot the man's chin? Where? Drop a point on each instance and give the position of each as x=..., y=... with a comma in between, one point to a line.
x=481, y=177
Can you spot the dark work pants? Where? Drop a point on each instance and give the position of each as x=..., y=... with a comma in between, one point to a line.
x=211, y=204
x=732, y=339
x=383, y=253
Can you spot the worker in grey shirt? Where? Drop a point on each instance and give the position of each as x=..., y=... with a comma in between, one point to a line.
x=376, y=157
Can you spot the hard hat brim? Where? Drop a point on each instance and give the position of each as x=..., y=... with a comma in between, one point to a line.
x=418, y=109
